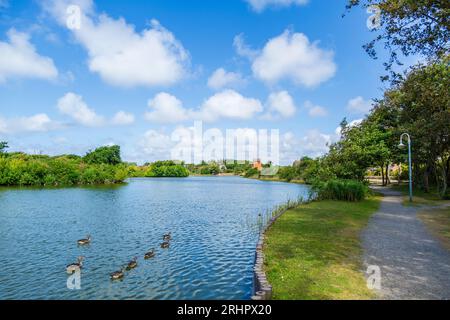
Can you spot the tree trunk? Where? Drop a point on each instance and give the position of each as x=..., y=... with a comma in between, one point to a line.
x=426, y=181
x=399, y=179
x=382, y=175
x=388, y=176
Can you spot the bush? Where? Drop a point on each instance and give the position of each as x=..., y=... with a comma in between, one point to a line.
x=251, y=173
x=342, y=190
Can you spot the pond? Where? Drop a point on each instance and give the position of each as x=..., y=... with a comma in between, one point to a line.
x=213, y=221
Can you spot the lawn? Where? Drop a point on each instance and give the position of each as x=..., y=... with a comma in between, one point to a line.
x=420, y=197
x=438, y=221
x=314, y=252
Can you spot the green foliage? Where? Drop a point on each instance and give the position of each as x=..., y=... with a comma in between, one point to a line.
x=104, y=155
x=160, y=169
x=251, y=173
x=341, y=190
x=18, y=169
x=410, y=27
x=3, y=146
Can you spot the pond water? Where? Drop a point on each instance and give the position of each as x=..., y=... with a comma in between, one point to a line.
x=213, y=221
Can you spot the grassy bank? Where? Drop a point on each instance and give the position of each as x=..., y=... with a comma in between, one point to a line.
x=420, y=197
x=314, y=251
x=438, y=221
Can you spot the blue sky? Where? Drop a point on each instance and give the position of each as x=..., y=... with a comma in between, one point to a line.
x=134, y=71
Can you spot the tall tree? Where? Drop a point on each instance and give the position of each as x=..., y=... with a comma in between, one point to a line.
x=3, y=146
x=104, y=155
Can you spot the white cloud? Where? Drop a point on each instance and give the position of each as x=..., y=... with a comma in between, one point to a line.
x=353, y=123
x=280, y=104
x=74, y=106
x=315, y=110
x=122, y=118
x=242, y=48
x=166, y=108
x=359, y=106
x=121, y=55
x=19, y=59
x=37, y=123
x=292, y=56
x=223, y=79
x=260, y=5
x=152, y=146
x=229, y=104
x=313, y=144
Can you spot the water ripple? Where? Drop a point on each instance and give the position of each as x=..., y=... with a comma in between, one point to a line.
x=213, y=222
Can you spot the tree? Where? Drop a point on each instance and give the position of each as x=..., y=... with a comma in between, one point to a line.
x=410, y=27
x=104, y=155
x=3, y=146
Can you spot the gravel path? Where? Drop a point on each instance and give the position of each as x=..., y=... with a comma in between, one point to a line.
x=414, y=265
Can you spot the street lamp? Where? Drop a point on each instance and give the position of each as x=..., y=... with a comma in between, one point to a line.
x=401, y=146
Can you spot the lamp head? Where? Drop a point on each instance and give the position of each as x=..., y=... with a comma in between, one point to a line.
x=401, y=145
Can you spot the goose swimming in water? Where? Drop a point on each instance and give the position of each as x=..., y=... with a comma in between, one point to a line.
x=149, y=254
x=118, y=274
x=165, y=245
x=85, y=241
x=167, y=237
x=73, y=267
x=132, y=264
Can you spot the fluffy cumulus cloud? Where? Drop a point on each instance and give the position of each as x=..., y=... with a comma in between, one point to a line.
x=313, y=144
x=155, y=144
x=229, y=104
x=260, y=5
x=359, y=105
x=315, y=110
x=223, y=79
x=280, y=104
x=121, y=55
x=19, y=59
x=242, y=48
x=75, y=107
x=36, y=123
x=293, y=57
x=166, y=108
x=123, y=118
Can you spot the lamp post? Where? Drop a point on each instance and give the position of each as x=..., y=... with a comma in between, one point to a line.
x=402, y=145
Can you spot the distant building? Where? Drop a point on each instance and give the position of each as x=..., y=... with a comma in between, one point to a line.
x=257, y=165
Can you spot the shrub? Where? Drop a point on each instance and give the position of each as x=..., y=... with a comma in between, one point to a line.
x=342, y=190
x=251, y=173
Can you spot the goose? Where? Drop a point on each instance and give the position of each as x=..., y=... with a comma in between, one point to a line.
x=85, y=241
x=118, y=274
x=132, y=264
x=149, y=254
x=165, y=245
x=73, y=267
x=167, y=236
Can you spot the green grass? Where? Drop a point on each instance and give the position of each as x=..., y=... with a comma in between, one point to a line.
x=438, y=221
x=313, y=252
x=420, y=197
